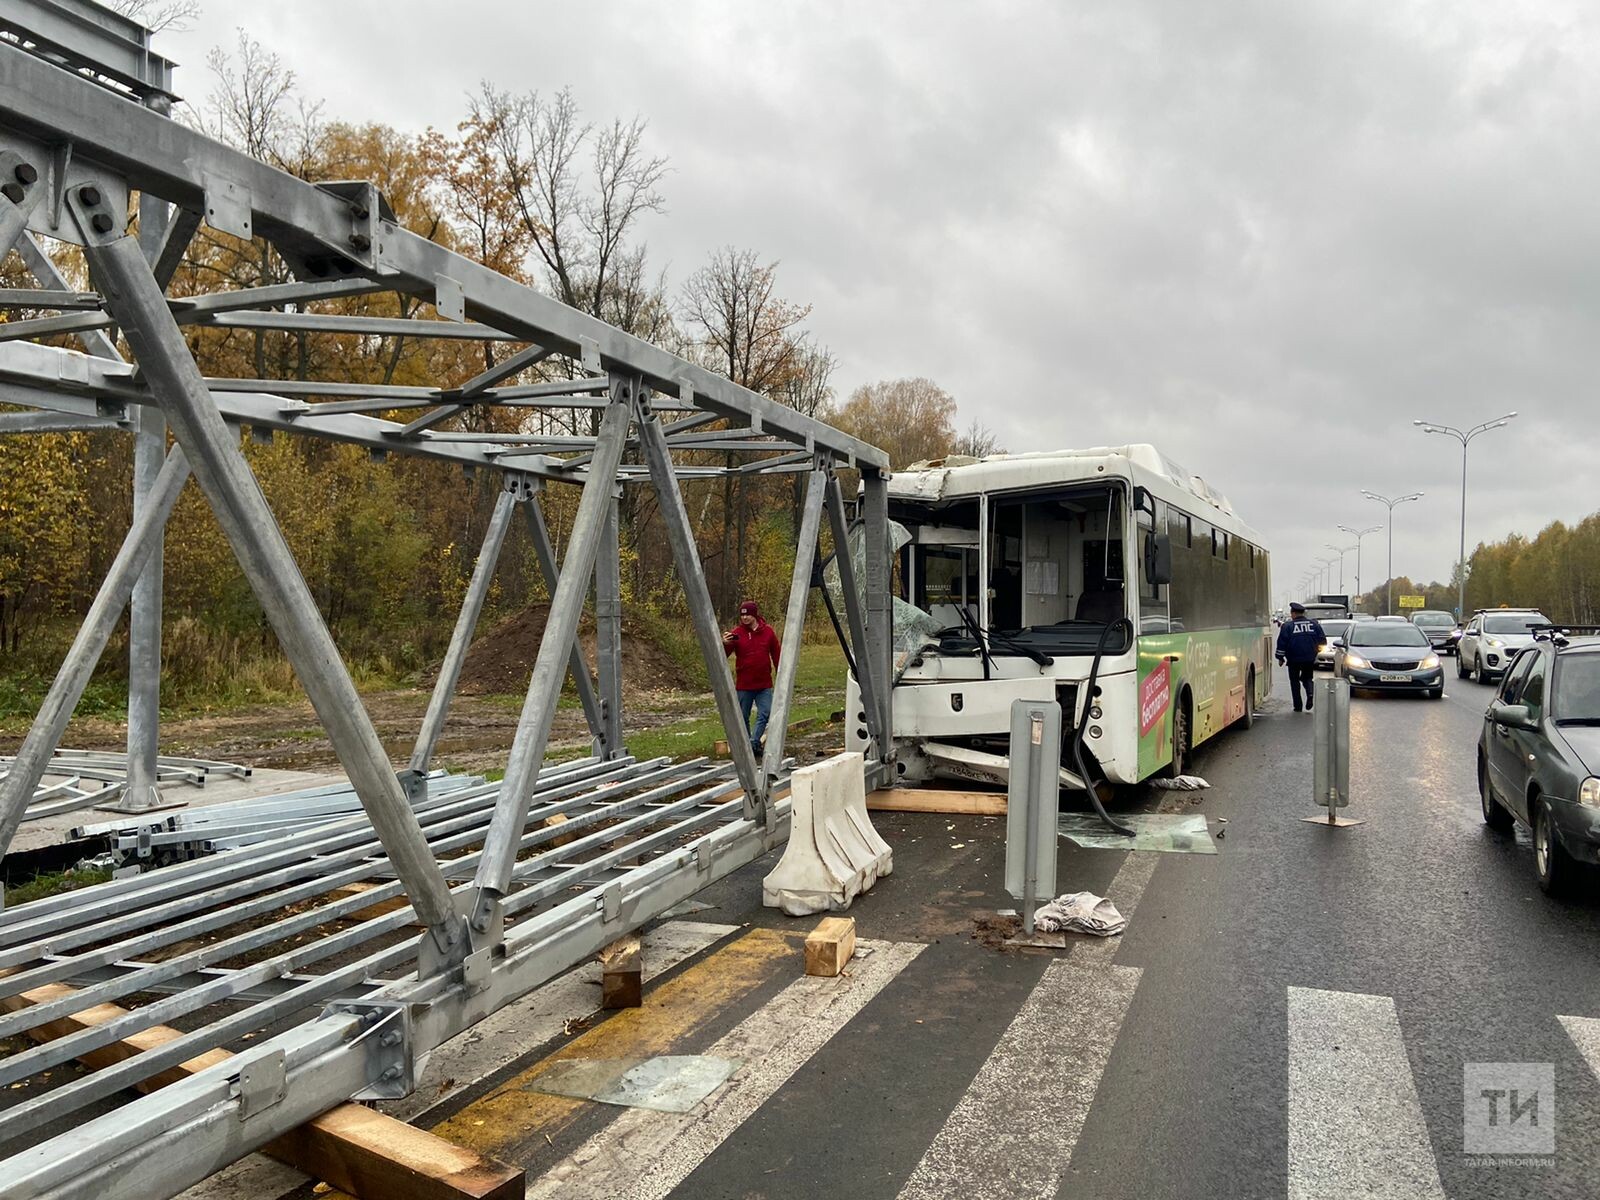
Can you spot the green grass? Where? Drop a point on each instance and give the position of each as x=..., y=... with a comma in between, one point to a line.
x=52, y=884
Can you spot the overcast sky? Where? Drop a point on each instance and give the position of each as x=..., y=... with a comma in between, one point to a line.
x=1264, y=235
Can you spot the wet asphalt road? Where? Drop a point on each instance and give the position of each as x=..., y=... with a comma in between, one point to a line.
x=1423, y=906
x=1160, y=1065
x=1423, y=903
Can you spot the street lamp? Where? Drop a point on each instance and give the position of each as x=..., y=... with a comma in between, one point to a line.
x=1358, y=534
x=1464, y=437
x=1327, y=579
x=1388, y=584
x=1342, y=551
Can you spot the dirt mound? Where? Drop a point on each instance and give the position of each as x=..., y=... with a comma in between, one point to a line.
x=501, y=661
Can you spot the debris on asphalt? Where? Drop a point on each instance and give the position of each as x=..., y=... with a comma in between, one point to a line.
x=1081, y=912
x=1180, y=783
x=993, y=930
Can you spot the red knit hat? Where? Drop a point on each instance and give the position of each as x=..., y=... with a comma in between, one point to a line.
x=749, y=608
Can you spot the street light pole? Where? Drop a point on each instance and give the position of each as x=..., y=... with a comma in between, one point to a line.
x=1342, y=551
x=1327, y=579
x=1358, y=534
x=1388, y=584
x=1463, y=436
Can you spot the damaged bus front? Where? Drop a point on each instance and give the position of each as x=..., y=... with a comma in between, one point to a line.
x=1108, y=579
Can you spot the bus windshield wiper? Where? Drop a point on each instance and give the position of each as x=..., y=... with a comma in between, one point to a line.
x=1044, y=660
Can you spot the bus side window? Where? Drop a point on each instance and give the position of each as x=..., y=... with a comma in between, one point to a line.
x=1152, y=596
x=1180, y=592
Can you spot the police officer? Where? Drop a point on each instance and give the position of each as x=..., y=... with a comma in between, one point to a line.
x=1298, y=640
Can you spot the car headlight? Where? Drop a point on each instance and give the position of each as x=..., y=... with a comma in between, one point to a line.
x=1589, y=792
x=1356, y=661
x=1429, y=662
x=1496, y=642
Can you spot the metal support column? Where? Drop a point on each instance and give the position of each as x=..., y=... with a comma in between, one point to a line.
x=144, y=617
x=136, y=301
x=577, y=669
x=879, y=653
x=686, y=555
x=794, y=621
x=549, y=668
x=608, y=630
x=16, y=789
x=855, y=617
x=471, y=608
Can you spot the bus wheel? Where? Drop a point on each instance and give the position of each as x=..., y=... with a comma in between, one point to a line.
x=1180, y=738
x=1249, y=719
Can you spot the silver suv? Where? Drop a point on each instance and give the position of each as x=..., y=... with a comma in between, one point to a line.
x=1491, y=640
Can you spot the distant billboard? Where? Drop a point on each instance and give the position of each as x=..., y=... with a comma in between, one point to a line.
x=1413, y=602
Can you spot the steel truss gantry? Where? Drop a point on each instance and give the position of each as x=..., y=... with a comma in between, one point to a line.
x=84, y=131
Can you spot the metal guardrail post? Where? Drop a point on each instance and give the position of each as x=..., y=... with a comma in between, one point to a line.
x=1031, y=797
x=1330, y=770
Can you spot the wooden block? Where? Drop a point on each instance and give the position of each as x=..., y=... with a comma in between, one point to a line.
x=356, y=1149
x=719, y=749
x=381, y=909
x=830, y=945
x=554, y=820
x=622, y=974
x=930, y=800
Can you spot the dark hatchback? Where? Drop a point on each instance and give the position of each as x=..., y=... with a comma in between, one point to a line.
x=1390, y=656
x=1443, y=630
x=1539, y=753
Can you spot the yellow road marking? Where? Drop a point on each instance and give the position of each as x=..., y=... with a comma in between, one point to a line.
x=510, y=1116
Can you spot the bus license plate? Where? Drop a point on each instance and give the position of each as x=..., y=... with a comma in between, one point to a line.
x=1394, y=679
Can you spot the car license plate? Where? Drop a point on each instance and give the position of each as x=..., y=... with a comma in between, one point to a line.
x=1394, y=679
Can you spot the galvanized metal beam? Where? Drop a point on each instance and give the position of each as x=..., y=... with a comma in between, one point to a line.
x=608, y=629
x=544, y=689
x=794, y=621
x=44, y=735
x=577, y=669
x=691, y=576
x=310, y=222
x=466, y=623
x=855, y=616
x=135, y=299
x=879, y=650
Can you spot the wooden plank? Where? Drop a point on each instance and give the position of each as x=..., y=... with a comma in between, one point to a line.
x=622, y=974
x=830, y=945
x=356, y=1149
x=931, y=800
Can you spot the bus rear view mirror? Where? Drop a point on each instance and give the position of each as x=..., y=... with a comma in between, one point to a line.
x=1158, y=559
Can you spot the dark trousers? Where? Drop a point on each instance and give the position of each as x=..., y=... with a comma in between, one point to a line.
x=1300, y=675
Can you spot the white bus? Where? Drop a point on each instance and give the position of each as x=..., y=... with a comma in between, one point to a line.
x=1044, y=570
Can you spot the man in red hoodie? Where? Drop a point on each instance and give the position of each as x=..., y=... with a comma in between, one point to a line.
x=754, y=646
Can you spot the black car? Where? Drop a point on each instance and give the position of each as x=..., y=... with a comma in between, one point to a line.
x=1390, y=656
x=1442, y=628
x=1539, y=752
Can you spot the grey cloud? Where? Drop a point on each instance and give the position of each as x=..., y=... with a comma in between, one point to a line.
x=1265, y=236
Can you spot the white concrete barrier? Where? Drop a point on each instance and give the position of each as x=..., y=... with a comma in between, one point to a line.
x=834, y=854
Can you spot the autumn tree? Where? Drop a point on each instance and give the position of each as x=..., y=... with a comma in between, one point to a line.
x=909, y=419
x=739, y=326
x=977, y=441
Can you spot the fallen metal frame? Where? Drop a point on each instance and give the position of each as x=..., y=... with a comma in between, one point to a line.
x=349, y=1009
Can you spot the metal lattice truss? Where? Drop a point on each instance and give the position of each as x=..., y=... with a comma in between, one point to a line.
x=84, y=131
x=77, y=779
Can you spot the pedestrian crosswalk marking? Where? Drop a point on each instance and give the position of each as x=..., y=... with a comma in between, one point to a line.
x=1356, y=1126
x=644, y=1155
x=1021, y=1116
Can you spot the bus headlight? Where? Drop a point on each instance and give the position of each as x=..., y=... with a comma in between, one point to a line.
x=1589, y=792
